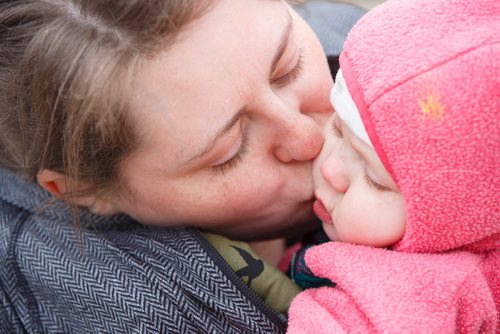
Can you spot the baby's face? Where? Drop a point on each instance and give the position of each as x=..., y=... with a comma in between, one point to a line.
x=357, y=200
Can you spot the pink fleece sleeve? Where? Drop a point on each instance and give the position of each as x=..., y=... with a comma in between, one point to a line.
x=380, y=290
x=326, y=310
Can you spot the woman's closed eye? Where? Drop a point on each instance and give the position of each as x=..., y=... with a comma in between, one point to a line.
x=291, y=75
x=234, y=160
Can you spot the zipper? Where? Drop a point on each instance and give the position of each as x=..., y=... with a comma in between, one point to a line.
x=278, y=319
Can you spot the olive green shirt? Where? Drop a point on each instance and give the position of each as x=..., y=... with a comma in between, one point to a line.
x=273, y=286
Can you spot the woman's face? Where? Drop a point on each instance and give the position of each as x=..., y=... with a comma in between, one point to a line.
x=230, y=120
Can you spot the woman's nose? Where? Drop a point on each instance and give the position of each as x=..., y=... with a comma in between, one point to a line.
x=300, y=139
x=334, y=170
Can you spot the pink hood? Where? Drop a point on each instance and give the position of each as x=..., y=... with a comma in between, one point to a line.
x=430, y=102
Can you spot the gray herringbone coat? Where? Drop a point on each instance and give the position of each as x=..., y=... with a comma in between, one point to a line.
x=113, y=276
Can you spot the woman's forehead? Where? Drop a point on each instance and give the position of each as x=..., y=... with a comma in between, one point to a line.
x=215, y=50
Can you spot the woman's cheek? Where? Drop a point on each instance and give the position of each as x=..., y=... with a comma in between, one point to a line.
x=249, y=190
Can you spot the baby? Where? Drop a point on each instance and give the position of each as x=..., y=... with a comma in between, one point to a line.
x=408, y=180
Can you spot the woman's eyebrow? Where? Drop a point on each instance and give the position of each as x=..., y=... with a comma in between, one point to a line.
x=283, y=44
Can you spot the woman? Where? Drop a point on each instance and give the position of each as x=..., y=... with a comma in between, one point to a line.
x=200, y=113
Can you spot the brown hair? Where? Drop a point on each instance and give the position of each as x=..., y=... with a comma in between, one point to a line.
x=65, y=68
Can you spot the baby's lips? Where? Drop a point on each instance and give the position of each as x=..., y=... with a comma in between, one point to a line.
x=321, y=212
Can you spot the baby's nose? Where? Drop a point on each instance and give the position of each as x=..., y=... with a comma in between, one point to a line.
x=334, y=171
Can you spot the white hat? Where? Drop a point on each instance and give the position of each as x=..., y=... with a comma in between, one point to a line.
x=346, y=109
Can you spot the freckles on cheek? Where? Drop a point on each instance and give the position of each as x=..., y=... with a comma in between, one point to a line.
x=225, y=190
x=243, y=195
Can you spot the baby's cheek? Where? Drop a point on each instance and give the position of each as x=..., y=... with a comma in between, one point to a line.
x=347, y=226
x=357, y=227
x=398, y=218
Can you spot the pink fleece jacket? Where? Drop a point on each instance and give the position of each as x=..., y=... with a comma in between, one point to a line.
x=425, y=77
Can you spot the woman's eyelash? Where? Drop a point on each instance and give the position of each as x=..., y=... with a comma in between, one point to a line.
x=292, y=75
x=374, y=184
x=235, y=159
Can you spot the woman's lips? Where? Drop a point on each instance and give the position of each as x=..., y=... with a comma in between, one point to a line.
x=321, y=212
